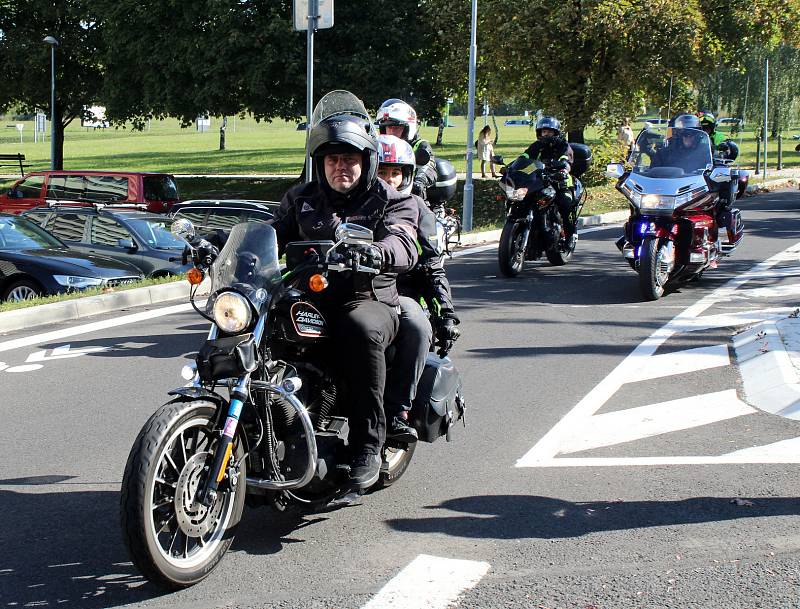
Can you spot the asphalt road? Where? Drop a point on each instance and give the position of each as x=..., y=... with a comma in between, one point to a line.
x=609, y=460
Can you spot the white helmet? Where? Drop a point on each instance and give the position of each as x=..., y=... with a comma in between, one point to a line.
x=393, y=151
x=397, y=112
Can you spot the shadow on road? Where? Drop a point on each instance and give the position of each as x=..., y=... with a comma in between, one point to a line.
x=523, y=516
x=64, y=548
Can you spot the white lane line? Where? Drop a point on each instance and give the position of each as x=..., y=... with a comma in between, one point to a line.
x=776, y=449
x=429, y=582
x=680, y=362
x=729, y=459
x=654, y=419
x=54, y=335
x=543, y=452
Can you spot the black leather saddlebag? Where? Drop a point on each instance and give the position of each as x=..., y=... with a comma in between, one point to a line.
x=228, y=357
x=438, y=404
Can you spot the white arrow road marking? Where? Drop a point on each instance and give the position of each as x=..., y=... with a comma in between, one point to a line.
x=25, y=368
x=429, y=582
x=95, y=326
x=545, y=451
x=655, y=419
x=62, y=352
x=3, y=366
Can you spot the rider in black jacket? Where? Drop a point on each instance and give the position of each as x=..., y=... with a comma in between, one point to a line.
x=363, y=312
x=552, y=149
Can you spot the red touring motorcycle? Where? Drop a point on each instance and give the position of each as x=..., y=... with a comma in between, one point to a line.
x=263, y=420
x=681, y=222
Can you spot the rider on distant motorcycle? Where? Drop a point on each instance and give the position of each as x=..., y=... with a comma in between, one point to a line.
x=427, y=280
x=363, y=313
x=552, y=149
x=396, y=117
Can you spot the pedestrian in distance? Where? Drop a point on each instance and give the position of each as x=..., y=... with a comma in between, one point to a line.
x=485, y=148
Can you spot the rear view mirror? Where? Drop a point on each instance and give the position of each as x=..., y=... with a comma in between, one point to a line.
x=347, y=232
x=615, y=170
x=497, y=159
x=126, y=244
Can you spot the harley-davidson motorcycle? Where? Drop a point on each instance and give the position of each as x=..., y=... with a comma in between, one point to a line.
x=534, y=225
x=679, y=194
x=263, y=420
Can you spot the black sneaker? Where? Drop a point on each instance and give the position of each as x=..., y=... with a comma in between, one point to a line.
x=364, y=470
x=400, y=431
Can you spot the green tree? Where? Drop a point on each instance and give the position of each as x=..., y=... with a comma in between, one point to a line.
x=579, y=58
x=25, y=64
x=227, y=57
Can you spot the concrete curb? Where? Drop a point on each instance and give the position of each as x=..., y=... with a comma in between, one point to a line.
x=768, y=354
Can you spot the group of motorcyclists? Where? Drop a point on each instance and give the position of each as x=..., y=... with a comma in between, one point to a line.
x=380, y=180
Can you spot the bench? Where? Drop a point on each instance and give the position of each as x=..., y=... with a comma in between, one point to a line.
x=17, y=160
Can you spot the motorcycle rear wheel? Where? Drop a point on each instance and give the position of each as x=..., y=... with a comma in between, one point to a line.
x=172, y=539
x=653, y=269
x=511, y=252
x=396, y=459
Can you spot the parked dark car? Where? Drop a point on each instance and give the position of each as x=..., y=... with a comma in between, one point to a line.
x=157, y=191
x=126, y=234
x=34, y=263
x=210, y=215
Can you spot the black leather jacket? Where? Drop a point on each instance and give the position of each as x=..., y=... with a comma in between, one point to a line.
x=308, y=212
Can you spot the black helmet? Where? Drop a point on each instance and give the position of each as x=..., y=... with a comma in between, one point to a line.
x=548, y=122
x=340, y=134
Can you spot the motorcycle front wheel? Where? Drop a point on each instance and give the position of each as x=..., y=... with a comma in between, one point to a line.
x=511, y=252
x=173, y=539
x=653, y=268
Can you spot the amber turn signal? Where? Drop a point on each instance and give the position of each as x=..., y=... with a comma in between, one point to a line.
x=317, y=283
x=195, y=276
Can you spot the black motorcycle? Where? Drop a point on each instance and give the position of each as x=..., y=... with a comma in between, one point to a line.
x=534, y=225
x=278, y=435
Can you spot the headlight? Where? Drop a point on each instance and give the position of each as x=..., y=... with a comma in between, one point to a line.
x=653, y=202
x=232, y=312
x=77, y=282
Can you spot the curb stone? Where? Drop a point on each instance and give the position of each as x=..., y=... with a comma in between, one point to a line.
x=768, y=355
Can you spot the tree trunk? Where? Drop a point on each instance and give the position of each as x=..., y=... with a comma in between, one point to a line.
x=576, y=136
x=496, y=130
x=222, y=128
x=440, y=133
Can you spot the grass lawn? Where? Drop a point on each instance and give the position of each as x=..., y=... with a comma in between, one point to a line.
x=252, y=147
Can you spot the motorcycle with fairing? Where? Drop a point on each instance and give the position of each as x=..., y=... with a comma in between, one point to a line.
x=534, y=226
x=678, y=193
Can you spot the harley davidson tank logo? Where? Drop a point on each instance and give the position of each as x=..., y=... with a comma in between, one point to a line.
x=308, y=321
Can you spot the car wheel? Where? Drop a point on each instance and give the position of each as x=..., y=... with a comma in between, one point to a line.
x=22, y=290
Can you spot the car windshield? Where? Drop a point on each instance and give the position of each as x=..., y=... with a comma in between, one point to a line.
x=156, y=233
x=160, y=188
x=22, y=234
x=671, y=153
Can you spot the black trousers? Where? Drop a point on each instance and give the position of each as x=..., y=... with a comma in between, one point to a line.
x=362, y=330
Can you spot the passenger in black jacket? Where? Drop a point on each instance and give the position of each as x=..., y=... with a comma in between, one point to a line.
x=426, y=281
x=363, y=313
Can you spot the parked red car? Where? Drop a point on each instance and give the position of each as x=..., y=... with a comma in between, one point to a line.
x=158, y=191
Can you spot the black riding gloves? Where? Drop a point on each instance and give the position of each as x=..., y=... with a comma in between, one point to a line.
x=368, y=255
x=447, y=333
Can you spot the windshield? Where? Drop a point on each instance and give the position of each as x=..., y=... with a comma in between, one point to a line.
x=671, y=153
x=249, y=260
x=338, y=102
x=156, y=233
x=22, y=234
x=160, y=188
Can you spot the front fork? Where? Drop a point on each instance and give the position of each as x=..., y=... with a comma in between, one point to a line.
x=640, y=228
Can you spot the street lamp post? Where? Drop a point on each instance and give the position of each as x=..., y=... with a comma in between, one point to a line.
x=53, y=44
